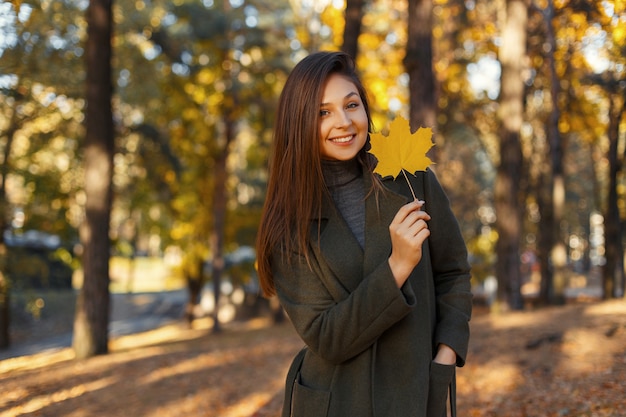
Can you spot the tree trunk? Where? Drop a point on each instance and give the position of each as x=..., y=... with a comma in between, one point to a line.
x=92, y=309
x=220, y=199
x=508, y=201
x=545, y=240
x=5, y=301
x=5, y=284
x=352, y=29
x=613, y=271
x=220, y=176
x=554, y=279
x=418, y=62
x=195, y=282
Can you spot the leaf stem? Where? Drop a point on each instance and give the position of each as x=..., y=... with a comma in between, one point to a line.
x=409, y=182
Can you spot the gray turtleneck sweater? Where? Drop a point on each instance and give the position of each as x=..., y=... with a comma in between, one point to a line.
x=344, y=180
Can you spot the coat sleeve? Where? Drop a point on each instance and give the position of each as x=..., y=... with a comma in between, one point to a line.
x=339, y=328
x=451, y=271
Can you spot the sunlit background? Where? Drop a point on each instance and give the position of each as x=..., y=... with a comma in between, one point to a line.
x=186, y=72
x=181, y=68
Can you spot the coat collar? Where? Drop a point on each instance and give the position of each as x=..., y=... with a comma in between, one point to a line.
x=339, y=247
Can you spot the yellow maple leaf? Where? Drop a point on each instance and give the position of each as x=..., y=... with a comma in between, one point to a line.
x=401, y=149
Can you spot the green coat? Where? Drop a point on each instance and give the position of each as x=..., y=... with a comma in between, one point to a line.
x=370, y=345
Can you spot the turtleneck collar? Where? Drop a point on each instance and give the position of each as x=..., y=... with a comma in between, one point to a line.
x=338, y=173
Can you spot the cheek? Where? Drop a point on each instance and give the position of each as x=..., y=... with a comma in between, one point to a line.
x=363, y=124
x=324, y=128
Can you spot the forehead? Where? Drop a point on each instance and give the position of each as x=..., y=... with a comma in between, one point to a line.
x=338, y=87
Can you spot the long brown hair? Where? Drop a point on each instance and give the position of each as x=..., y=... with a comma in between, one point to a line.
x=296, y=187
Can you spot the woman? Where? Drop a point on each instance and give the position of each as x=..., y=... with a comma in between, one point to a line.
x=377, y=287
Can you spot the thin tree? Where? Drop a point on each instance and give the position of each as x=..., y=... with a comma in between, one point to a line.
x=92, y=309
x=418, y=62
x=507, y=195
x=553, y=253
x=228, y=134
x=220, y=197
x=5, y=284
x=352, y=28
x=613, y=275
x=5, y=287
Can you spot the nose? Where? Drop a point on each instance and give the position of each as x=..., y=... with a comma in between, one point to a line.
x=343, y=119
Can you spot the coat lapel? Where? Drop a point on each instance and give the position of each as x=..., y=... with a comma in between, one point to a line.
x=377, y=221
x=339, y=247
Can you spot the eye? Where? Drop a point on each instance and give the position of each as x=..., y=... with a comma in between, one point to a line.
x=352, y=105
x=324, y=113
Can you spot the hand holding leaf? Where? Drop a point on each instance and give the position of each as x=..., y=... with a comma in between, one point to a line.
x=401, y=150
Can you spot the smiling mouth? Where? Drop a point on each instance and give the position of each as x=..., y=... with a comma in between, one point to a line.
x=343, y=139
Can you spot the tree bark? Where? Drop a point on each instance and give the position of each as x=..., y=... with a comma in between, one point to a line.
x=5, y=302
x=352, y=29
x=418, y=62
x=613, y=272
x=92, y=310
x=553, y=279
x=5, y=284
x=195, y=282
x=219, y=217
x=508, y=200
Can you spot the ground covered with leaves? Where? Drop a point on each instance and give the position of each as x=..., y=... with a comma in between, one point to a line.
x=560, y=361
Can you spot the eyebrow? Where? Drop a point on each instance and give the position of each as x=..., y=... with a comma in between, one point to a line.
x=353, y=93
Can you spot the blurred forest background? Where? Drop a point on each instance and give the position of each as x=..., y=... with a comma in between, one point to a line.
x=135, y=136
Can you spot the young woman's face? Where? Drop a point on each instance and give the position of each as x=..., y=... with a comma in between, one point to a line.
x=343, y=121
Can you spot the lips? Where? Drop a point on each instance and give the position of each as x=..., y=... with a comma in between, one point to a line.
x=343, y=139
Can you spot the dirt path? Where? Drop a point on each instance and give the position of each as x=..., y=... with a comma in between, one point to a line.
x=52, y=328
x=560, y=361
x=567, y=361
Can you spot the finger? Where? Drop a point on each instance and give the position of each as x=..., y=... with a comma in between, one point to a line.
x=416, y=228
x=414, y=205
x=422, y=236
x=407, y=209
x=416, y=216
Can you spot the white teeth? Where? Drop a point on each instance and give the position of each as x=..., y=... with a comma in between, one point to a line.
x=342, y=140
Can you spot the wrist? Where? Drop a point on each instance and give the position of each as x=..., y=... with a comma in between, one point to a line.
x=445, y=355
x=399, y=272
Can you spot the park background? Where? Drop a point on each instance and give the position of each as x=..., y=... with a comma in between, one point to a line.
x=134, y=141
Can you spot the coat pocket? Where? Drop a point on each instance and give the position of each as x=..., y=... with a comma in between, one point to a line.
x=440, y=378
x=309, y=402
